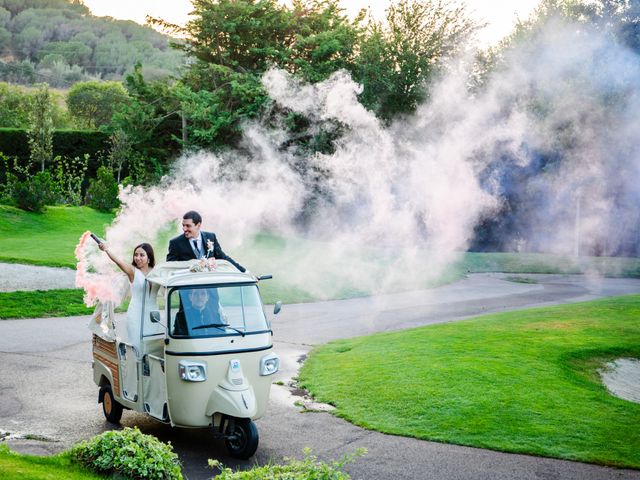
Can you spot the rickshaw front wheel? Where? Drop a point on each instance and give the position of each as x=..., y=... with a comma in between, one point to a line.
x=241, y=438
x=112, y=410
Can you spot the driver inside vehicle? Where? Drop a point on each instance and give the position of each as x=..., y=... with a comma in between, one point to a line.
x=199, y=313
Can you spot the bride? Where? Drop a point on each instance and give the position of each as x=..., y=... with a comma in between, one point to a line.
x=141, y=293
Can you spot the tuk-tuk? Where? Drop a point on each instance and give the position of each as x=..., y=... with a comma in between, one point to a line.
x=204, y=357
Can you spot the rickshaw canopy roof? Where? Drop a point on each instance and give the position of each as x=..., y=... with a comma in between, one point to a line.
x=175, y=274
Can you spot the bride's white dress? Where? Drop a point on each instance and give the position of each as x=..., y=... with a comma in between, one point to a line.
x=141, y=295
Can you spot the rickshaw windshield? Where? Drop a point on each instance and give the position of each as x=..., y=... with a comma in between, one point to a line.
x=207, y=311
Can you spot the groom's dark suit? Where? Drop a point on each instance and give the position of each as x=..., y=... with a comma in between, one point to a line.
x=180, y=249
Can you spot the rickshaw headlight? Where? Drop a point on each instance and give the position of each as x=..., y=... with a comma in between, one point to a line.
x=269, y=364
x=192, y=371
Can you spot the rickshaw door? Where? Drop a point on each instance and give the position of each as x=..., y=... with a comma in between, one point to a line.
x=128, y=371
x=154, y=387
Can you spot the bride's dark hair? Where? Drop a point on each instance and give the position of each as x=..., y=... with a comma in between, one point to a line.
x=149, y=250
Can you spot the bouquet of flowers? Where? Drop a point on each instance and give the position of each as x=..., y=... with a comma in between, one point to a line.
x=203, y=265
x=206, y=263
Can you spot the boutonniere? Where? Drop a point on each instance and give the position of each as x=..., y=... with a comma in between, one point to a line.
x=209, y=248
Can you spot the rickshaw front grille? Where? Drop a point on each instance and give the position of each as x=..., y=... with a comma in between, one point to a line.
x=237, y=381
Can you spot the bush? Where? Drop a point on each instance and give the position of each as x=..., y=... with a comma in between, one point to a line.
x=102, y=193
x=33, y=193
x=128, y=453
x=69, y=176
x=309, y=468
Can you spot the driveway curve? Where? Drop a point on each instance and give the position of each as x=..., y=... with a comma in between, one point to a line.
x=46, y=387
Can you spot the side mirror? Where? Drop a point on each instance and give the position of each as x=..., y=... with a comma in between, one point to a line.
x=277, y=307
x=154, y=316
x=264, y=277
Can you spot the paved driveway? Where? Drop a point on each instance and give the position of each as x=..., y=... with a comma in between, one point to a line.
x=46, y=386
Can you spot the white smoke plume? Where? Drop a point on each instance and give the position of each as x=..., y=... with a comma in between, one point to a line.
x=403, y=201
x=557, y=132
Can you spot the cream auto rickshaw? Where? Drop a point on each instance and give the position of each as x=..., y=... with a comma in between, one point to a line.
x=204, y=359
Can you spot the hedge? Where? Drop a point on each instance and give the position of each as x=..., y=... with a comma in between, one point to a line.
x=66, y=143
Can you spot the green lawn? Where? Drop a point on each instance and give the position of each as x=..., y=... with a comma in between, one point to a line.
x=42, y=303
x=474, y=262
x=521, y=381
x=49, y=238
x=21, y=467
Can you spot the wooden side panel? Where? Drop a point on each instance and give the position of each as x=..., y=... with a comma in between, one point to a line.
x=105, y=352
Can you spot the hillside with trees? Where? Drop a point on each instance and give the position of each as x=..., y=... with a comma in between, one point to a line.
x=59, y=42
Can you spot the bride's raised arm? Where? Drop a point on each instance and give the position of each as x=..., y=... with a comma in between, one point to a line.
x=125, y=267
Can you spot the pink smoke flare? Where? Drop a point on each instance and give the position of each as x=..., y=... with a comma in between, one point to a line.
x=97, y=287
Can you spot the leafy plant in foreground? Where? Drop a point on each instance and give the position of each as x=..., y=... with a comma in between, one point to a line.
x=128, y=453
x=309, y=468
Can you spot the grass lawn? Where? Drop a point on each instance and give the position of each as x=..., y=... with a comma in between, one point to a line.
x=52, y=236
x=475, y=262
x=20, y=467
x=521, y=381
x=42, y=303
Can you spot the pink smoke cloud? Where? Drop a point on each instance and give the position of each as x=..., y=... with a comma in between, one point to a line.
x=98, y=287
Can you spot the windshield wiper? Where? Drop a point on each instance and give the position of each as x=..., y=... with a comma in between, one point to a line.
x=219, y=325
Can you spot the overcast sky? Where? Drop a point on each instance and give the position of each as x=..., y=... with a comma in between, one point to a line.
x=498, y=14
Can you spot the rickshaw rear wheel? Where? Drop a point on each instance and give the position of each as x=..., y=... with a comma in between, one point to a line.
x=241, y=438
x=112, y=410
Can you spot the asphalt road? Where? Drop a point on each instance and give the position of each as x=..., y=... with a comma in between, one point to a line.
x=47, y=391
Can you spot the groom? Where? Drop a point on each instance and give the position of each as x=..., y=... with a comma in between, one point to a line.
x=193, y=243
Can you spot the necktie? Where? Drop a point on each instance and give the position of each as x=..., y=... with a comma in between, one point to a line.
x=196, y=249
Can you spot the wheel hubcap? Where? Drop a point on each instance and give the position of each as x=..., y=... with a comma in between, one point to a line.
x=237, y=439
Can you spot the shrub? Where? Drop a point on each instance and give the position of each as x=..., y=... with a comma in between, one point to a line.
x=102, y=193
x=33, y=193
x=128, y=453
x=309, y=468
x=68, y=175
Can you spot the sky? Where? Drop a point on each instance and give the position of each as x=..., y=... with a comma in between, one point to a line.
x=499, y=15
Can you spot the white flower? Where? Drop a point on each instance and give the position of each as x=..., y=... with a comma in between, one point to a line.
x=209, y=247
x=203, y=265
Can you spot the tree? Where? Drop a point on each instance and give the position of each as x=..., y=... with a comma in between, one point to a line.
x=59, y=74
x=244, y=35
x=29, y=41
x=121, y=151
x=40, y=132
x=326, y=40
x=18, y=72
x=5, y=16
x=15, y=106
x=398, y=58
x=93, y=103
x=233, y=42
x=73, y=52
x=214, y=114
x=151, y=120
